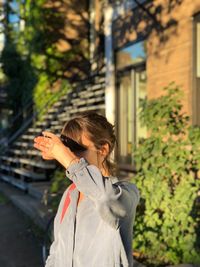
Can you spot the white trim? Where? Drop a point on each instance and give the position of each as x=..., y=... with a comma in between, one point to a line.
x=198, y=50
x=92, y=30
x=110, y=76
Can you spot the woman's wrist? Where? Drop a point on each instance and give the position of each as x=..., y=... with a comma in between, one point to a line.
x=66, y=157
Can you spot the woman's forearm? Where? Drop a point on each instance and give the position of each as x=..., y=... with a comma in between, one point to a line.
x=65, y=157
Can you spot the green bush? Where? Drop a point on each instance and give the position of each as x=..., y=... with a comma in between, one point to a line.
x=44, y=97
x=168, y=162
x=59, y=184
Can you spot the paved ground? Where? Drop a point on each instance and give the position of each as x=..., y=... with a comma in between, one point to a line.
x=20, y=246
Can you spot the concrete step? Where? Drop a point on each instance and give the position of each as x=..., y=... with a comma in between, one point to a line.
x=24, y=172
x=86, y=108
x=21, y=144
x=88, y=94
x=52, y=110
x=41, y=123
x=58, y=104
x=34, y=130
x=49, y=116
x=16, y=182
x=28, y=136
x=32, y=162
x=56, y=122
x=85, y=102
x=18, y=152
x=57, y=128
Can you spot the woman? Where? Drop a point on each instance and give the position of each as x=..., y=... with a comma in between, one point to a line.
x=95, y=228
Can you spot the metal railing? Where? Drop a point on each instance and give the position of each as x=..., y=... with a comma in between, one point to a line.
x=32, y=113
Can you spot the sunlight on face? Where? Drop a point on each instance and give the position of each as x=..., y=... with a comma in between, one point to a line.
x=91, y=154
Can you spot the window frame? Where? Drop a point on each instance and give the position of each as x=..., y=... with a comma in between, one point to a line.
x=119, y=73
x=196, y=80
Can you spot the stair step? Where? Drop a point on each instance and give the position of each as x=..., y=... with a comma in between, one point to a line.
x=97, y=87
x=57, y=127
x=24, y=172
x=28, y=136
x=24, y=151
x=52, y=110
x=23, y=144
x=86, y=108
x=89, y=101
x=58, y=103
x=66, y=96
x=64, y=114
x=64, y=119
x=100, y=80
x=56, y=122
x=34, y=130
x=88, y=94
x=49, y=116
x=42, y=123
x=16, y=182
x=29, y=162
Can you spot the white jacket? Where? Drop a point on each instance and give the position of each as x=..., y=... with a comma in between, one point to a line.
x=99, y=232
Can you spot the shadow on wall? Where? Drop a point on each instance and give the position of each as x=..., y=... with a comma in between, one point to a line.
x=146, y=19
x=66, y=30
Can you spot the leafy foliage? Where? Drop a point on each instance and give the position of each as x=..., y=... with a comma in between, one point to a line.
x=39, y=52
x=168, y=177
x=58, y=186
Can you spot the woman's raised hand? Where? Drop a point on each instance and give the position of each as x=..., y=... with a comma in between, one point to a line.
x=51, y=147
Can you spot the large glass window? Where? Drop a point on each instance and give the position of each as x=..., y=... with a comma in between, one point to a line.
x=131, y=86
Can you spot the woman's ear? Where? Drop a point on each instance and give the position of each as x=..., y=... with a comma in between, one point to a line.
x=104, y=151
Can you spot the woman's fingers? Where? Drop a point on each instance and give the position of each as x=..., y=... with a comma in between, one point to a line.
x=43, y=141
x=49, y=134
x=41, y=147
x=49, y=144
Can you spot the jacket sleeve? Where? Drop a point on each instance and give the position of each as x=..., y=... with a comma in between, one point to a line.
x=50, y=261
x=113, y=201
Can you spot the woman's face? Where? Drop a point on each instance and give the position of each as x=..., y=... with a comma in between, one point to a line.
x=93, y=155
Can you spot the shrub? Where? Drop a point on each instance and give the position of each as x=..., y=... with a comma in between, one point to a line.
x=59, y=183
x=168, y=177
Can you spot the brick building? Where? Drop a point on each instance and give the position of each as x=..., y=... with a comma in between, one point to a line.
x=148, y=44
x=134, y=49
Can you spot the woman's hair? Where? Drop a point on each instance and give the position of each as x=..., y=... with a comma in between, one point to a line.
x=97, y=129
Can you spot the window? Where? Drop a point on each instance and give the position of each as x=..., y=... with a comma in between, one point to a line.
x=131, y=87
x=196, y=117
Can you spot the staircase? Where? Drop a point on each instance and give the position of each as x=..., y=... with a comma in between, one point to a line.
x=21, y=165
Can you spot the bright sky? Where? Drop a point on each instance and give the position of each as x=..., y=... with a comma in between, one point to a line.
x=14, y=18
x=135, y=50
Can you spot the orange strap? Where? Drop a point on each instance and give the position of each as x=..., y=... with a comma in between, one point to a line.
x=67, y=201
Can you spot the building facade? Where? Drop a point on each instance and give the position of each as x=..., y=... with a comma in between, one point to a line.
x=147, y=45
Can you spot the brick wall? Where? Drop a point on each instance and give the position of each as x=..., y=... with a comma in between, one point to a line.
x=169, y=44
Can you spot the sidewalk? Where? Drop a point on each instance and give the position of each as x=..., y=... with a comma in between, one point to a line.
x=31, y=206
x=20, y=245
